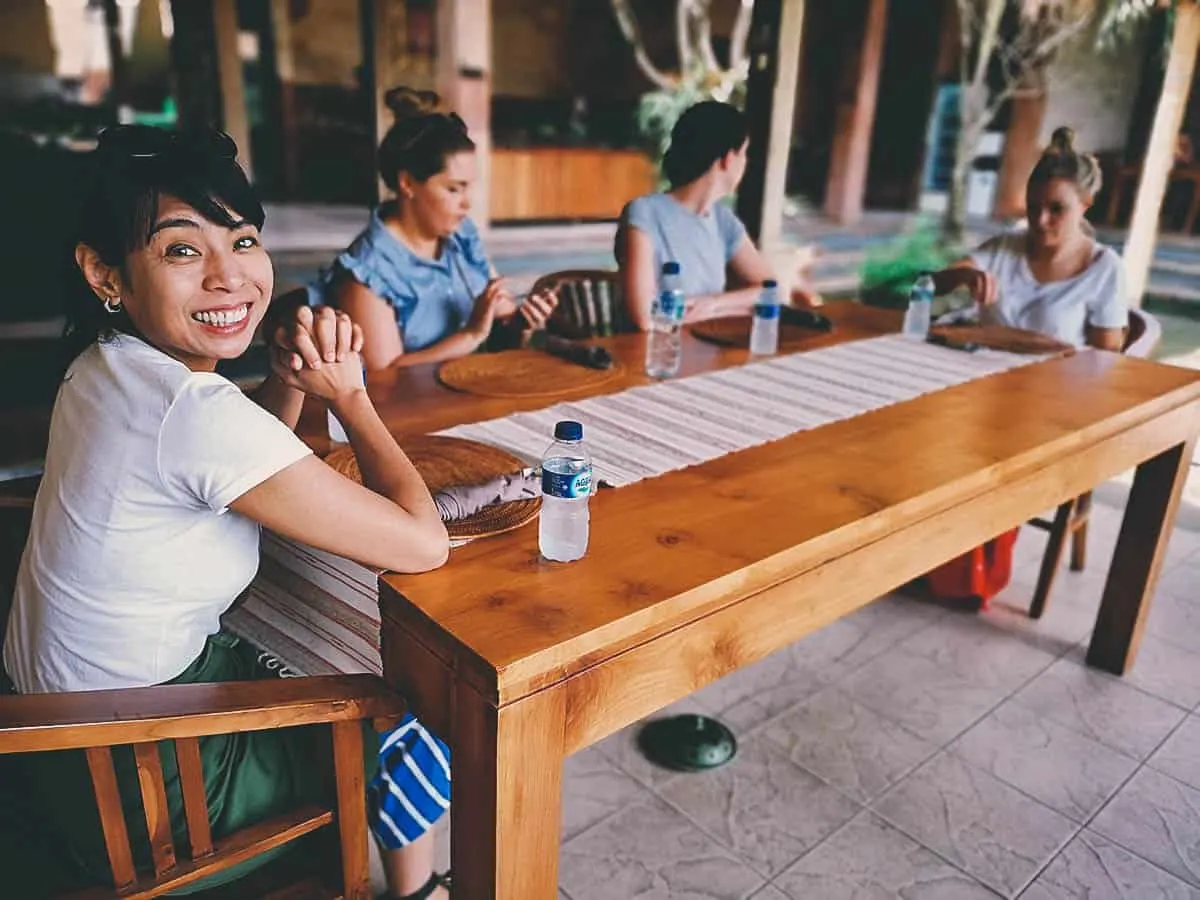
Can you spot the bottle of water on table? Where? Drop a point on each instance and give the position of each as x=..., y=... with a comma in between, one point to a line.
x=920, y=308
x=566, y=487
x=764, y=332
x=664, y=343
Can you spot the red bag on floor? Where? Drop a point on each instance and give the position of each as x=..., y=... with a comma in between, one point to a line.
x=982, y=572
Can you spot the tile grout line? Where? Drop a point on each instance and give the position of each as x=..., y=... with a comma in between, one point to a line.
x=1142, y=765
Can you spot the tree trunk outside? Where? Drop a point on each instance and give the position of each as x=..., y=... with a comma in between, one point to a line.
x=954, y=225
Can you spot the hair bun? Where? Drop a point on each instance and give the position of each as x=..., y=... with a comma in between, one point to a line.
x=407, y=103
x=1062, y=141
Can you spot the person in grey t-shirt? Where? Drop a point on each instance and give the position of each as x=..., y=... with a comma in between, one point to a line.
x=1054, y=278
x=690, y=225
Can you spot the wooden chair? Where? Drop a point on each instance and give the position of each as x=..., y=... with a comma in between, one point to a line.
x=96, y=721
x=590, y=303
x=1071, y=518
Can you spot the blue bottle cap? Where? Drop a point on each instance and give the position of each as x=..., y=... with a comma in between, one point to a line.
x=770, y=283
x=568, y=431
x=670, y=268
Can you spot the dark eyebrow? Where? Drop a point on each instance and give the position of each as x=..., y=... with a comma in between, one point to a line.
x=180, y=222
x=172, y=223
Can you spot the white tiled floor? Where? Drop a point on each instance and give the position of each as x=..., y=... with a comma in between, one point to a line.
x=922, y=753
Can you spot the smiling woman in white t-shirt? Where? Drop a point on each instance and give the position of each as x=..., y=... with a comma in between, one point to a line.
x=159, y=473
x=1054, y=278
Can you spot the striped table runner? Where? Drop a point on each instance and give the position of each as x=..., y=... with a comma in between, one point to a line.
x=319, y=613
x=648, y=431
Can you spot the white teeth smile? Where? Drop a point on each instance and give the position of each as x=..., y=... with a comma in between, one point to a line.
x=223, y=317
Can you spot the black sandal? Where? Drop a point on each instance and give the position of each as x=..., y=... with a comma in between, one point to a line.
x=435, y=881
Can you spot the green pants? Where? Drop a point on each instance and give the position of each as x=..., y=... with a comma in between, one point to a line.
x=248, y=777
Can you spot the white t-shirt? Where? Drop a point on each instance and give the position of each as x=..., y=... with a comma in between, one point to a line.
x=1060, y=309
x=133, y=553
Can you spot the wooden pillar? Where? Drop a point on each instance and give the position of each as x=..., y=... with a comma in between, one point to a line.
x=116, y=54
x=1022, y=149
x=377, y=70
x=853, y=123
x=234, y=119
x=194, y=63
x=464, y=80
x=774, y=49
x=1160, y=152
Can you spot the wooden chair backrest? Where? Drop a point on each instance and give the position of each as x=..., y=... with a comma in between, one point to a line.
x=590, y=303
x=97, y=721
x=1143, y=336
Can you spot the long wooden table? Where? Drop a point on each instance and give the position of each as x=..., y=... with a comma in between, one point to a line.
x=518, y=663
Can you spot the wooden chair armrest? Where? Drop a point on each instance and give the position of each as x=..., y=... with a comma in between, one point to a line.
x=38, y=722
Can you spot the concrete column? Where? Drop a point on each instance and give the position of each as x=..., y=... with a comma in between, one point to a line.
x=853, y=123
x=1160, y=152
x=464, y=81
x=1022, y=149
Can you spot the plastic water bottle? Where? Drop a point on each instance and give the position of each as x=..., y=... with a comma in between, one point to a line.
x=764, y=332
x=566, y=487
x=920, y=308
x=664, y=345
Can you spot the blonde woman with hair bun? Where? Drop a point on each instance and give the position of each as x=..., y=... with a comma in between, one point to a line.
x=1055, y=277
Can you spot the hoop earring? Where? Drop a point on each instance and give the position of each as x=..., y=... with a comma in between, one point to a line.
x=112, y=305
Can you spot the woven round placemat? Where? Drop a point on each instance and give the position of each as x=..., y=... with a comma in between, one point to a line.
x=734, y=331
x=521, y=373
x=445, y=462
x=997, y=337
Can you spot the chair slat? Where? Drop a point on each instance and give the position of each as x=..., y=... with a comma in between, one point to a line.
x=112, y=820
x=231, y=850
x=154, y=800
x=195, y=800
x=352, y=809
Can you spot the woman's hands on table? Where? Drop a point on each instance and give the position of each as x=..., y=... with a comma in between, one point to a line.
x=982, y=285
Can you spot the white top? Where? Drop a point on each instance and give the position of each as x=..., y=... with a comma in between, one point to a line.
x=133, y=554
x=1060, y=309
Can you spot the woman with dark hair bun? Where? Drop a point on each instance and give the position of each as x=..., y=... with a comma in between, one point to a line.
x=418, y=279
x=1054, y=277
x=158, y=475
x=689, y=224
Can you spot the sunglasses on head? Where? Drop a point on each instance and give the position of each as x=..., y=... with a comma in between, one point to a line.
x=148, y=142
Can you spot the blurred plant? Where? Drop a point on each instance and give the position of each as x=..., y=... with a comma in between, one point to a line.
x=889, y=271
x=699, y=75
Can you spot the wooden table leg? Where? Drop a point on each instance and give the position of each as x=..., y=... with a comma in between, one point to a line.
x=507, y=797
x=1145, y=532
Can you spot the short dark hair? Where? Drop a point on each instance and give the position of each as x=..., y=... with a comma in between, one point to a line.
x=130, y=169
x=421, y=137
x=703, y=135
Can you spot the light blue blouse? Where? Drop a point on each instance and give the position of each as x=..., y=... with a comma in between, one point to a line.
x=703, y=245
x=432, y=298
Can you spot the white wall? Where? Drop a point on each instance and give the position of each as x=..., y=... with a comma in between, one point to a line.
x=1093, y=91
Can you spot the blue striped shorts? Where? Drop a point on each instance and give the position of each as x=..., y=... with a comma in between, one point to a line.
x=412, y=789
